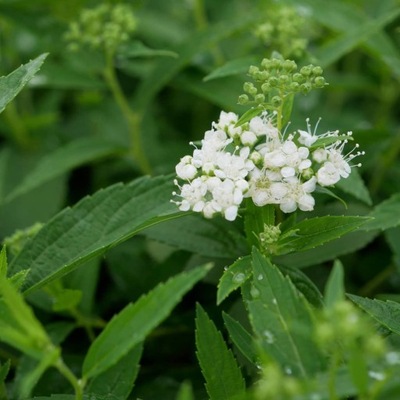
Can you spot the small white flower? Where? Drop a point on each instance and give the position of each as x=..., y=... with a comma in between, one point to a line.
x=320, y=155
x=248, y=138
x=185, y=169
x=298, y=196
x=328, y=175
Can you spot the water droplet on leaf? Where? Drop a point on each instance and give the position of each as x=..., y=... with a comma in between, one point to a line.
x=239, y=278
x=269, y=337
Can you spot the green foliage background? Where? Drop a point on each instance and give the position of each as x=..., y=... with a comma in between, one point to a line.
x=110, y=242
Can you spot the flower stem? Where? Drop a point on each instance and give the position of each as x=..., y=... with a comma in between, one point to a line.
x=77, y=384
x=133, y=119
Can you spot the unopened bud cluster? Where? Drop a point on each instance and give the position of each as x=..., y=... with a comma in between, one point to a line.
x=105, y=26
x=284, y=30
x=276, y=78
x=255, y=160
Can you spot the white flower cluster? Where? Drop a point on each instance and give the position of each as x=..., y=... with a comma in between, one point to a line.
x=255, y=160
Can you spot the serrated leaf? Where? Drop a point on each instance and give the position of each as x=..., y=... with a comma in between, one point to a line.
x=241, y=338
x=282, y=319
x=131, y=326
x=232, y=67
x=208, y=237
x=64, y=159
x=92, y=226
x=314, y=232
x=13, y=83
x=324, y=190
x=328, y=251
x=234, y=277
x=386, y=313
x=355, y=186
x=385, y=215
x=117, y=382
x=224, y=381
x=334, y=289
x=303, y=284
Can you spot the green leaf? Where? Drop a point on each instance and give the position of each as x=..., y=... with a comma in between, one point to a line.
x=3, y=262
x=314, y=232
x=137, y=48
x=241, y=338
x=131, y=326
x=4, y=369
x=215, y=237
x=13, y=83
x=234, y=277
x=224, y=381
x=324, y=190
x=248, y=115
x=325, y=141
x=92, y=226
x=355, y=186
x=232, y=67
x=287, y=108
x=28, y=381
x=166, y=69
x=353, y=37
x=334, y=289
x=117, y=382
x=385, y=215
x=18, y=324
x=303, y=284
x=386, y=313
x=63, y=160
x=282, y=319
x=327, y=252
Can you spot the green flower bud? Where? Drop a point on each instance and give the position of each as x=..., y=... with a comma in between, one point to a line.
x=289, y=65
x=294, y=86
x=283, y=79
x=276, y=101
x=317, y=71
x=273, y=81
x=319, y=82
x=297, y=77
x=266, y=63
x=259, y=98
x=306, y=71
x=265, y=87
x=249, y=87
x=243, y=99
x=253, y=70
x=305, y=88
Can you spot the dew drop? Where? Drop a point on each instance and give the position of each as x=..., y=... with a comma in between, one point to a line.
x=315, y=396
x=260, y=277
x=288, y=371
x=269, y=337
x=379, y=376
x=393, y=358
x=254, y=292
x=239, y=278
x=225, y=268
x=274, y=301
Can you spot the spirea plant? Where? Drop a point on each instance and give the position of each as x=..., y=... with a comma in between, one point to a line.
x=185, y=216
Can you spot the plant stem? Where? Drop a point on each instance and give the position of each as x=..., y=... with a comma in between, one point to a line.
x=132, y=118
x=369, y=288
x=18, y=129
x=200, y=18
x=69, y=375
